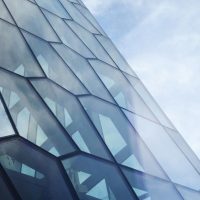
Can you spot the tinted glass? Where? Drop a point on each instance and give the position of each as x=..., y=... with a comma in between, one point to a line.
x=53, y=66
x=34, y=175
x=19, y=59
x=120, y=137
x=151, y=188
x=29, y=17
x=67, y=36
x=70, y=114
x=27, y=112
x=95, y=179
x=83, y=70
x=4, y=14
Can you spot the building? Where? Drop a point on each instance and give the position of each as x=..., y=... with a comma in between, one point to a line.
x=75, y=120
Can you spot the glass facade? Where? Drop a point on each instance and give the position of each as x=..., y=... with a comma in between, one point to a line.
x=76, y=122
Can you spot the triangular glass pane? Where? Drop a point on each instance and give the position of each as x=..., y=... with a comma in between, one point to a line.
x=99, y=191
x=82, y=176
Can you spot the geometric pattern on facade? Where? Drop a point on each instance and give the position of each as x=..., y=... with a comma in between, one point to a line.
x=75, y=120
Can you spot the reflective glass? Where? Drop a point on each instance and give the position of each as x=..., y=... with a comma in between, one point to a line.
x=4, y=14
x=29, y=17
x=89, y=16
x=34, y=175
x=188, y=194
x=77, y=16
x=28, y=114
x=19, y=59
x=83, y=70
x=55, y=7
x=166, y=152
x=5, y=125
x=151, y=188
x=67, y=35
x=121, y=90
x=4, y=190
x=176, y=137
x=53, y=66
x=148, y=99
x=119, y=136
x=115, y=54
x=70, y=114
x=93, y=179
x=91, y=42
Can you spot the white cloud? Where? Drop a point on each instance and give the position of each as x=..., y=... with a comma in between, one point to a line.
x=162, y=43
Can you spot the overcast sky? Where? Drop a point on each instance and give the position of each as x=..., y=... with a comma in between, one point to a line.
x=161, y=41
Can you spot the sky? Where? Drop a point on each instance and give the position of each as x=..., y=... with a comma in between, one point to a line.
x=161, y=41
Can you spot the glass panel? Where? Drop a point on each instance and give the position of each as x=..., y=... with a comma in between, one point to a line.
x=77, y=16
x=70, y=114
x=91, y=42
x=67, y=35
x=5, y=125
x=89, y=16
x=151, y=188
x=29, y=17
x=148, y=99
x=15, y=55
x=121, y=90
x=115, y=54
x=184, y=147
x=28, y=115
x=4, y=190
x=34, y=175
x=120, y=137
x=4, y=14
x=188, y=194
x=54, y=66
x=166, y=152
x=94, y=179
x=54, y=6
x=83, y=70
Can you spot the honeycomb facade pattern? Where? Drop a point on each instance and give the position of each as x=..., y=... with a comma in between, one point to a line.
x=75, y=120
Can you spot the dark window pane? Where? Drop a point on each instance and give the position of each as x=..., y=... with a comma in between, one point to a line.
x=35, y=176
x=70, y=114
x=5, y=126
x=29, y=17
x=28, y=114
x=95, y=180
x=15, y=55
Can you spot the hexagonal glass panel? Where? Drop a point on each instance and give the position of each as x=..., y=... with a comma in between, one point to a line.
x=34, y=175
x=93, y=179
x=71, y=115
x=28, y=113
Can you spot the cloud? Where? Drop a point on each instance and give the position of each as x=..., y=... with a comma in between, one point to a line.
x=161, y=41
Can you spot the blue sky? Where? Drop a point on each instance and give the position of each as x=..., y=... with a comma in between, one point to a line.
x=161, y=41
